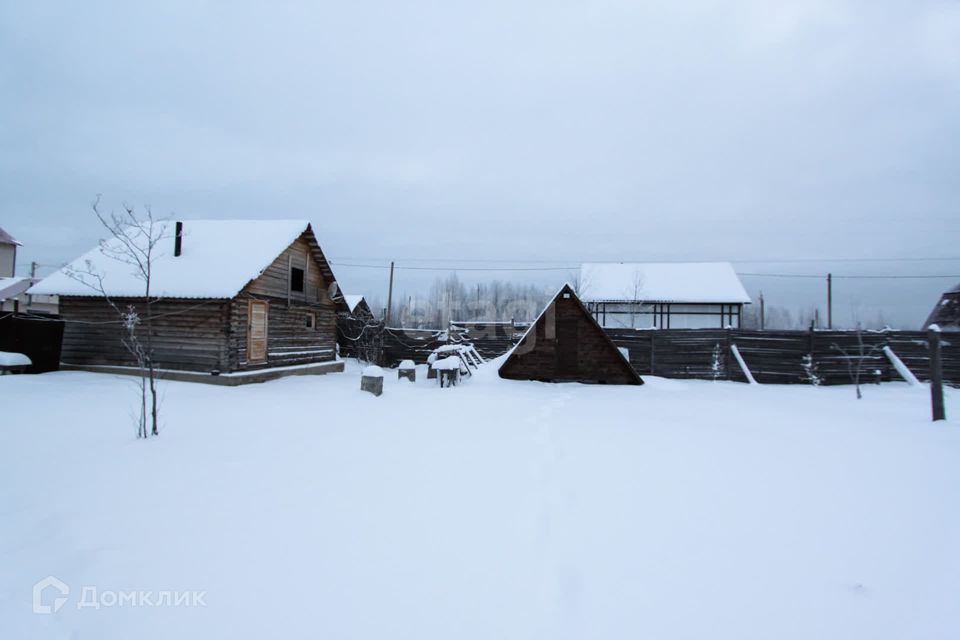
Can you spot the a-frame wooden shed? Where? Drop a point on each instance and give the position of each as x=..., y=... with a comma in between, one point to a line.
x=566, y=344
x=946, y=314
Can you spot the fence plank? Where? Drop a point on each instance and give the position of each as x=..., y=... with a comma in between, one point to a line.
x=776, y=357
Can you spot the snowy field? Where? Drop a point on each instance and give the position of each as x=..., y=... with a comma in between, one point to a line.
x=305, y=508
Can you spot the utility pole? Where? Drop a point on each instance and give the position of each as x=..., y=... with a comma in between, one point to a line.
x=936, y=374
x=829, y=301
x=389, y=297
x=33, y=276
x=763, y=317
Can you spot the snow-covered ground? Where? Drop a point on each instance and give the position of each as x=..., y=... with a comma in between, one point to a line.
x=305, y=508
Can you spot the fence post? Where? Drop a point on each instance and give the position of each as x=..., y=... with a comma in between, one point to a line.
x=936, y=375
x=653, y=349
x=726, y=356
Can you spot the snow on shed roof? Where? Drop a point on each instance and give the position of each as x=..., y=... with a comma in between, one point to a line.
x=6, y=238
x=352, y=301
x=218, y=259
x=698, y=282
x=13, y=287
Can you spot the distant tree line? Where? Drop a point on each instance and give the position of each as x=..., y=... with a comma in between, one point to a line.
x=778, y=317
x=450, y=299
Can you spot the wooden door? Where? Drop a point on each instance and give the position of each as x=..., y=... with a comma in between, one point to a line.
x=257, y=331
x=567, y=344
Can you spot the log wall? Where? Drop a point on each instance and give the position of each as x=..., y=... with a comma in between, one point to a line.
x=188, y=335
x=289, y=340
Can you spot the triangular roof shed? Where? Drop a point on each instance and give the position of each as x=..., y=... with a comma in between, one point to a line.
x=565, y=344
x=356, y=303
x=946, y=314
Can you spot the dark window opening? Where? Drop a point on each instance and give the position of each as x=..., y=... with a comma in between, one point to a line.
x=296, y=279
x=311, y=321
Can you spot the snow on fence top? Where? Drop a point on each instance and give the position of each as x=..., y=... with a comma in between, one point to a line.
x=695, y=282
x=218, y=259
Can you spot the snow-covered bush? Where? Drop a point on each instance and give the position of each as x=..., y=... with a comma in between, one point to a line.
x=811, y=373
x=718, y=364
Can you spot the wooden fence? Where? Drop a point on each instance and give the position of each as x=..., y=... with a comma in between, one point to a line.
x=491, y=339
x=409, y=344
x=37, y=338
x=773, y=357
x=783, y=357
x=370, y=341
x=359, y=338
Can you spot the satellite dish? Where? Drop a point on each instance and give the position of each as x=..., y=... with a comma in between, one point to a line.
x=333, y=290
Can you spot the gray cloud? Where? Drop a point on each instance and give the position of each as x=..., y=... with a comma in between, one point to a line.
x=548, y=131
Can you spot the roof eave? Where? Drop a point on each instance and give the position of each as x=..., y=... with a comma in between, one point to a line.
x=663, y=301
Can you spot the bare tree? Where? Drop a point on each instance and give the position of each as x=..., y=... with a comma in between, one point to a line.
x=134, y=240
x=637, y=306
x=855, y=358
x=580, y=282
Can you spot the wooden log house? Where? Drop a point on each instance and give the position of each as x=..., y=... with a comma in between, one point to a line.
x=227, y=296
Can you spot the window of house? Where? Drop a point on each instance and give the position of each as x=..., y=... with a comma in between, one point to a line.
x=311, y=321
x=296, y=279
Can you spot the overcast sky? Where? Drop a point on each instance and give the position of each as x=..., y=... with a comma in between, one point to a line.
x=509, y=131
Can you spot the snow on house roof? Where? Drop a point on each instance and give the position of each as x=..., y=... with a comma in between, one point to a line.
x=6, y=238
x=352, y=301
x=697, y=282
x=218, y=259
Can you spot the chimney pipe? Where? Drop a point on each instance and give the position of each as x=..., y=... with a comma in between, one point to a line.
x=178, y=239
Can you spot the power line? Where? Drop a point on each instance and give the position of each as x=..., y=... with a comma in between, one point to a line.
x=577, y=267
x=821, y=276
x=646, y=259
x=818, y=276
x=453, y=268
